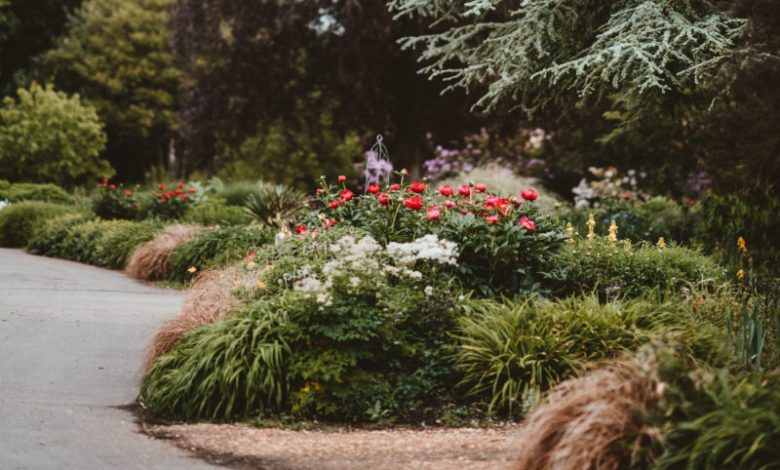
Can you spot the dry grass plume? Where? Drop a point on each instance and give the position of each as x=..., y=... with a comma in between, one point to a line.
x=150, y=260
x=595, y=422
x=208, y=300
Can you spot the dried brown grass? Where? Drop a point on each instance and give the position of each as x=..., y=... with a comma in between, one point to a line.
x=209, y=300
x=150, y=260
x=597, y=421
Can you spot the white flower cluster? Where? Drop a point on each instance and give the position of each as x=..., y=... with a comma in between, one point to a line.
x=429, y=248
x=3, y=203
x=365, y=258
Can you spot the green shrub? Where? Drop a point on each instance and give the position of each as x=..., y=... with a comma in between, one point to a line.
x=19, y=222
x=620, y=269
x=508, y=353
x=217, y=212
x=275, y=204
x=17, y=192
x=49, y=239
x=47, y=136
x=216, y=247
x=230, y=369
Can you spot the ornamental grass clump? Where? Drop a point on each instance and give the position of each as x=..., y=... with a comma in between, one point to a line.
x=150, y=260
x=211, y=298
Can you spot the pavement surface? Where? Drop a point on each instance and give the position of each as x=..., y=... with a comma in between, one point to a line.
x=71, y=343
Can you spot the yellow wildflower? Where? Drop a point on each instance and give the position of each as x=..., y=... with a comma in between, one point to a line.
x=741, y=274
x=661, y=243
x=613, y=231
x=742, y=245
x=591, y=226
x=192, y=269
x=260, y=284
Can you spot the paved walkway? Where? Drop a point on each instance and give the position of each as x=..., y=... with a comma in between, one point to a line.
x=71, y=342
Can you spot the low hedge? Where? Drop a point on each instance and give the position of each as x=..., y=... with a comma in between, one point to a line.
x=17, y=192
x=20, y=221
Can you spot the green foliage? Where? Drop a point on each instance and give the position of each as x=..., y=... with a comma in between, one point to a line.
x=231, y=369
x=510, y=352
x=537, y=52
x=46, y=136
x=49, y=238
x=116, y=54
x=19, y=222
x=295, y=153
x=275, y=205
x=118, y=239
x=620, y=269
x=115, y=202
x=215, y=211
x=15, y=192
x=216, y=247
x=237, y=193
x=715, y=421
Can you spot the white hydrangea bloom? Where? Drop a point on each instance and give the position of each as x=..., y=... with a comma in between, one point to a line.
x=429, y=247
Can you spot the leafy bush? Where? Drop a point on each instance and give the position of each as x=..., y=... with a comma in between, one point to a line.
x=16, y=192
x=510, y=352
x=115, y=202
x=47, y=136
x=216, y=212
x=617, y=269
x=19, y=222
x=237, y=193
x=216, y=247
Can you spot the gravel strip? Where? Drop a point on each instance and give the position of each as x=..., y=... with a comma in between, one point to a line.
x=241, y=446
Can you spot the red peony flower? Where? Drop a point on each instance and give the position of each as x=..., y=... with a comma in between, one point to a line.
x=301, y=229
x=334, y=204
x=414, y=202
x=446, y=190
x=450, y=204
x=161, y=186
x=417, y=187
x=250, y=255
x=373, y=189
x=320, y=190
x=179, y=185
x=342, y=178
x=113, y=186
x=433, y=213
x=529, y=194
x=395, y=187
x=329, y=223
x=480, y=188
x=179, y=191
x=346, y=195
x=193, y=190
x=464, y=190
x=626, y=196
x=383, y=199
x=528, y=224
x=183, y=197
x=128, y=192
x=518, y=202
x=105, y=180
x=169, y=194
x=492, y=219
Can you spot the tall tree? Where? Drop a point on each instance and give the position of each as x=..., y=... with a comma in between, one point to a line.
x=116, y=54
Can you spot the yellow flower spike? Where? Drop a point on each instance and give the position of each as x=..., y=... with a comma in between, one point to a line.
x=192, y=269
x=741, y=274
x=742, y=245
x=661, y=243
x=613, y=232
x=591, y=226
x=570, y=233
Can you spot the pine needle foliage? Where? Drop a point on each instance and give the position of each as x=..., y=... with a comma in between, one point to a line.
x=534, y=52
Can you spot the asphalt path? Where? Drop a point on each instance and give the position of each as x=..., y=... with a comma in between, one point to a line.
x=71, y=343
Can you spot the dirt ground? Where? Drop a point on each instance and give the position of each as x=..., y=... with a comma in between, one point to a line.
x=241, y=446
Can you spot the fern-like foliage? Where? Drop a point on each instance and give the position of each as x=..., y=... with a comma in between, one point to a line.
x=533, y=52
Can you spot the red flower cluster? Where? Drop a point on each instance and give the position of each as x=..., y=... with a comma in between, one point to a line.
x=180, y=192
x=106, y=185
